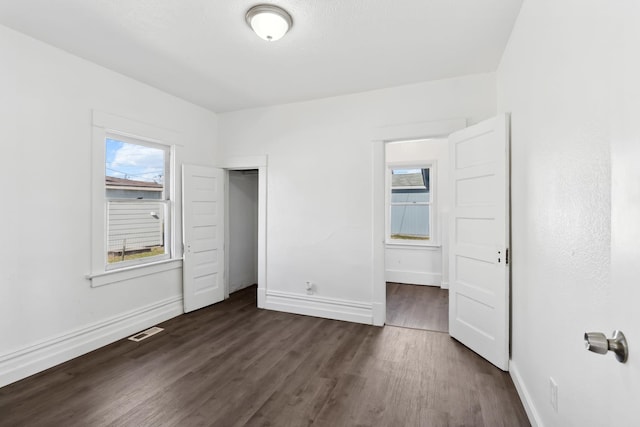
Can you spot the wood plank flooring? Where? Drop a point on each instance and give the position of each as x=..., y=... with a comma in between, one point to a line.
x=235, y=365
x=418, y=307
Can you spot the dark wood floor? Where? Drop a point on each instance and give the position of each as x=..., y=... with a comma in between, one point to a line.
x=418, y=307
x=234, y=365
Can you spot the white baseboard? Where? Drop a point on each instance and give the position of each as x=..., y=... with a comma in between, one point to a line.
x=29, y=360
x=413, y=277
x=313, y=305
x=525, y=397
x=262, y=297
x=379, y=313
x=444, y=285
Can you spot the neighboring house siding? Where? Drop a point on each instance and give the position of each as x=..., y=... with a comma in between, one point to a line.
x=133, y=225
x=133, y=194
x=409, y=220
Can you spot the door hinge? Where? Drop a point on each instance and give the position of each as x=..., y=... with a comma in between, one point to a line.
x=506, y=257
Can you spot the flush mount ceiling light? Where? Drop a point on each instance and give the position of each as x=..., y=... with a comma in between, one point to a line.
x=269, y=22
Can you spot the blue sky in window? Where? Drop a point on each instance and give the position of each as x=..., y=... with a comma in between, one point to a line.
x=133, y=161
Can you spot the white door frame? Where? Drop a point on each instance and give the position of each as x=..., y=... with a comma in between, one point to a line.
x=380, y=137
x=246, y=163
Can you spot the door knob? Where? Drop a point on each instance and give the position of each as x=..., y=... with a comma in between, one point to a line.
x=597, y=342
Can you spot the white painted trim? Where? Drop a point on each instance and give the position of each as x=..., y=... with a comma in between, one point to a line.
x=135, y=271
x=525, y=396
x=415, y=131
x=102, y=125
x=262, y=297
x=379, y=313
x=378, y=233
x=379, y=137
x=244, y=163
x=313, y=305
x=412, y=246
x=413, y=277
x=262, y=234
x=444, y=232
x=227, y=236
x=51, y=352
x=135, y=128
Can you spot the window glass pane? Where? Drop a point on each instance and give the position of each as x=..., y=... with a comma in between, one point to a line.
x=410, y=178
x=409, y=196
x=135, y=230
x=134, y=171
x=410, y=222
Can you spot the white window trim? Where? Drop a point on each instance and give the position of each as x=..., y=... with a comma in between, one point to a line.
x=433, y=212
x=104, y=124
x=165, y=200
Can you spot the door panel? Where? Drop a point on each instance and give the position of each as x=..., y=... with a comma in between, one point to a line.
x=623, y=380
x=203, y=230
x=479, y=236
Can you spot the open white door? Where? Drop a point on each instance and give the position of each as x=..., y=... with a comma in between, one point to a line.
x=620, y=310
x=479, y=239
x=203, y=234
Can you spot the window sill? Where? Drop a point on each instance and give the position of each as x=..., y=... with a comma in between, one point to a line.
x=128, y=273
x=405, y=245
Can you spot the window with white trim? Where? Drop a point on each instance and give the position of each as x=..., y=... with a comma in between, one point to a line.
x=133, y=189
x=137, y=201
x=410, y=218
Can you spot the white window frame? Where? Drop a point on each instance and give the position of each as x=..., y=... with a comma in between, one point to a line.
x=106, y=125
x=165, y=200
x=431, y=165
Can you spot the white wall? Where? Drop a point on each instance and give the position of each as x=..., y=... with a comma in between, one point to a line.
x=243, y=229
x=423, y=265
x=556, y=78
x=47, y=306
x=320, y=184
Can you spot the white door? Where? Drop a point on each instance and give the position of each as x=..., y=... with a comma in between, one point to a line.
x=203, y=234
x=623, y=380
x=479, y=236
x=622, y=312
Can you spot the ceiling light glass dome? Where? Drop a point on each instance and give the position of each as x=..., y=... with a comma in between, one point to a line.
x=269, y=22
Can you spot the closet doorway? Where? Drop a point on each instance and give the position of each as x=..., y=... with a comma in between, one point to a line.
x=242, y=229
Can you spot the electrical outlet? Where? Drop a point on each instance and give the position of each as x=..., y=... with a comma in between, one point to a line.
x=553, y=393
x=309, y=287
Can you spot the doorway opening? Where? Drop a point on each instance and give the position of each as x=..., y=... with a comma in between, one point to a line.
x=250, y=224
x=478, y=234
x=242, y=248
x=415, y=253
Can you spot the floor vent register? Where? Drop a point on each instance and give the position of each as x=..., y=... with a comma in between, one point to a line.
x=145, y=334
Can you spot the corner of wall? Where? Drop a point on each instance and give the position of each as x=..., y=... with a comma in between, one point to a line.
x=525, y=397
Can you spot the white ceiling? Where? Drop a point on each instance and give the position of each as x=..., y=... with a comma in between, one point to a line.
x=203, y=51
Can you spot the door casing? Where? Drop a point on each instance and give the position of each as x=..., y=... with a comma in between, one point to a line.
x=382, y=136
x=247, y=163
